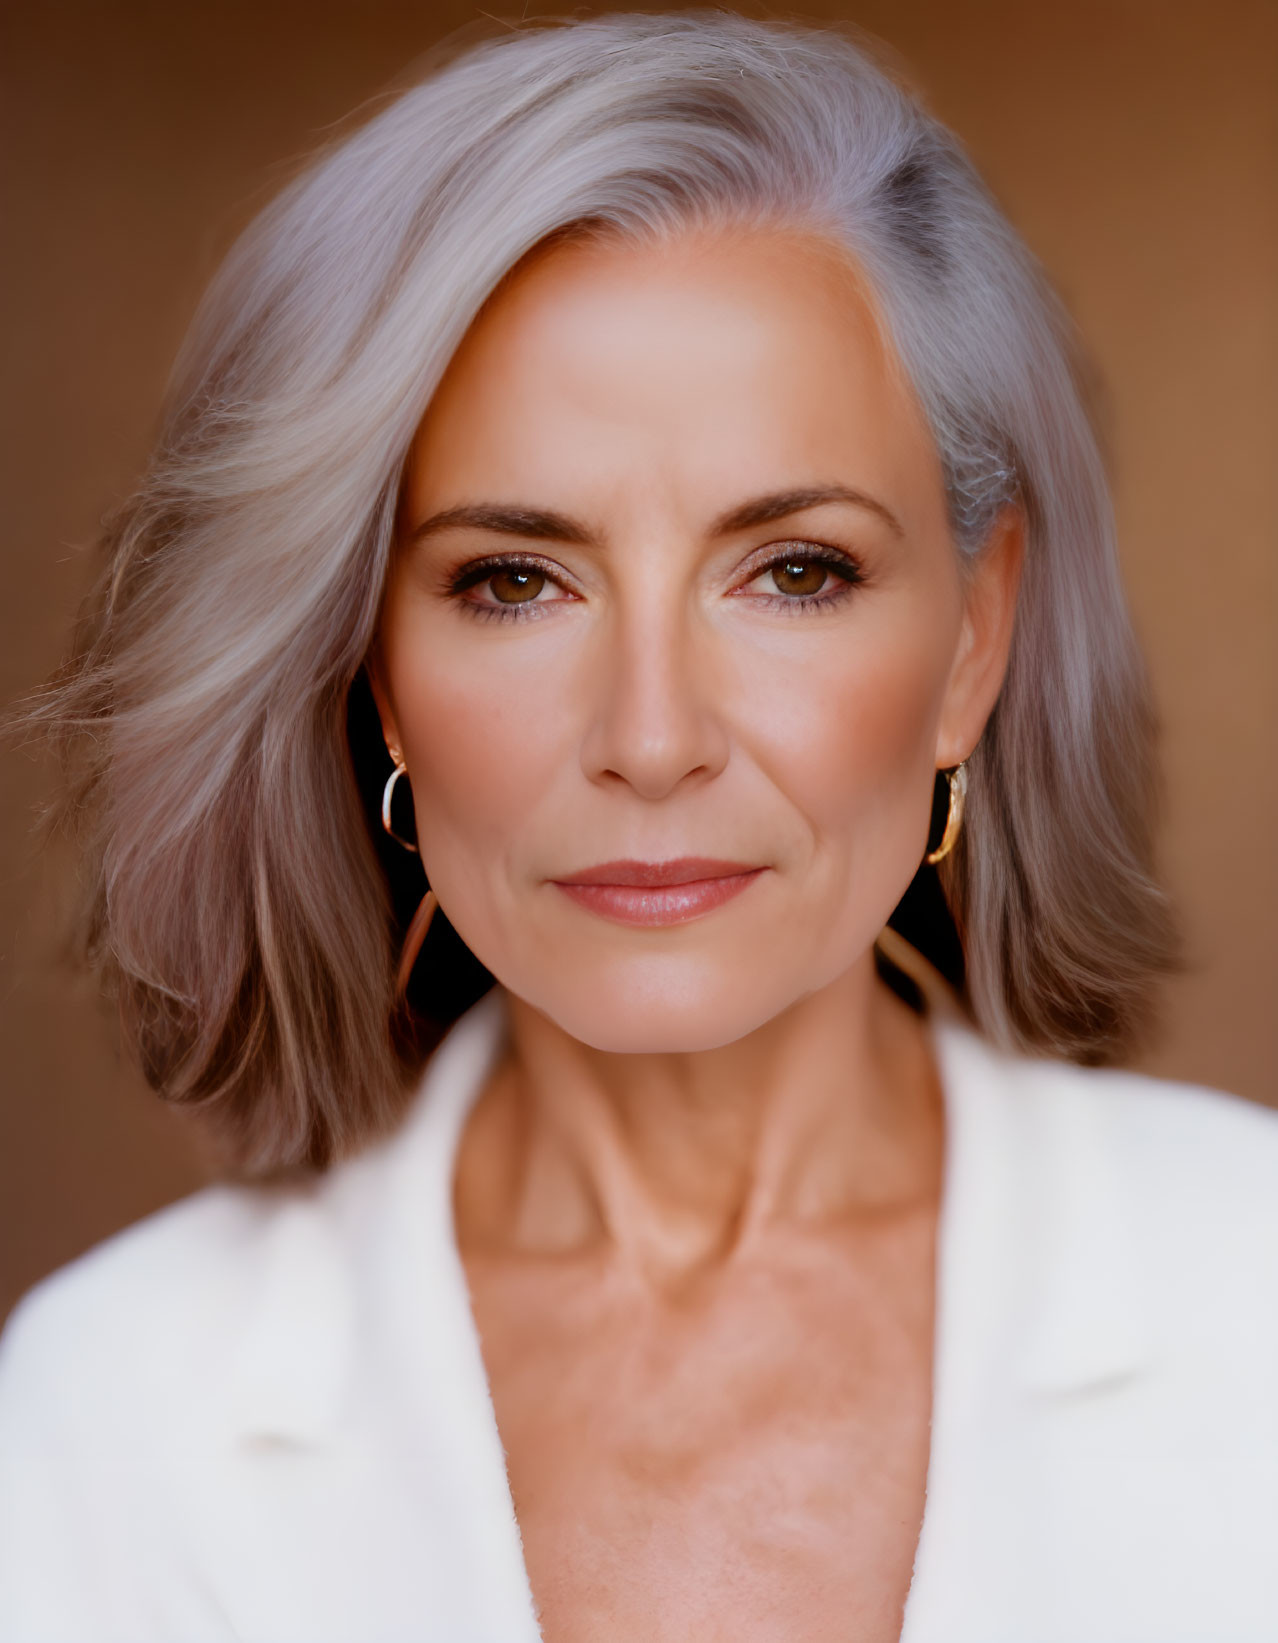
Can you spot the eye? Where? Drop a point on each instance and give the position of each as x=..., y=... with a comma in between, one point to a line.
x=514, y=584
x=806, y=575
x=799, y=576
x=505, y=587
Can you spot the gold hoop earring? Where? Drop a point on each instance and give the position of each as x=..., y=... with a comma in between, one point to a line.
x=957, y=779
x=420, y=924
x=388, y=793
x=413, y=941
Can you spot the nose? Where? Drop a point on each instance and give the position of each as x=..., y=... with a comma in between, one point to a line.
x=657, y=699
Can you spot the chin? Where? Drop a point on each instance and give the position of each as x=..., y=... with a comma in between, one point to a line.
x=659, y=1005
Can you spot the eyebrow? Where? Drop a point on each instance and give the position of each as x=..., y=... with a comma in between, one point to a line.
x=540, y=524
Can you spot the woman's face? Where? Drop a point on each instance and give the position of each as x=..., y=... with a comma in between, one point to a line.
x=674, y=580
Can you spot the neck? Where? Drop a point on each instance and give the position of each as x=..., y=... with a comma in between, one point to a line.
x=674, y=1163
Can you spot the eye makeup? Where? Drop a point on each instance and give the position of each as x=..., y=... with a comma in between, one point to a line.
x=528, y=575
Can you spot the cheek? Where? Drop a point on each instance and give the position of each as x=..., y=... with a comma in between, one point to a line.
x=848, y=735
x=481, y=747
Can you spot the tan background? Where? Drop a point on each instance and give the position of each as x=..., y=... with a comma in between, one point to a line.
x=1135, y=144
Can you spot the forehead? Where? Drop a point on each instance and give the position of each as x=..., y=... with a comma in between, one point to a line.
x=689, y=359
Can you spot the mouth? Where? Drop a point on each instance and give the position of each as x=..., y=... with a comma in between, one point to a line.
x=650, y=892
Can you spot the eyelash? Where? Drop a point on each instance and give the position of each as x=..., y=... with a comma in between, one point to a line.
x=474, y=574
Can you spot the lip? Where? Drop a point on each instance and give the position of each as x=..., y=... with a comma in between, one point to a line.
x=650, y=875
x=652, y=892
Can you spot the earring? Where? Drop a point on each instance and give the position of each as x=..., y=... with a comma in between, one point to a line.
x=957, y=779
x=416, y=933
x=413, y=941
x=388, y=793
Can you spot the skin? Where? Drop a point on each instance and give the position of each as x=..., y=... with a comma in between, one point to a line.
x=696, y=1202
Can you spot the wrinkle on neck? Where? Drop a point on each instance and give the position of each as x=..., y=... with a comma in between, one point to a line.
x=683, y=1163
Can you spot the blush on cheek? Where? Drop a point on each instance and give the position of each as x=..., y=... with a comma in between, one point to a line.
x=480, y=754
x=868, y=776
x=850, y=735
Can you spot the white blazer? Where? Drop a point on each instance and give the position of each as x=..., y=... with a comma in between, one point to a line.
x=262, y=1414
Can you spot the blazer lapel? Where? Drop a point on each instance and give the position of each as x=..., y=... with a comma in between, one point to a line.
x=1040, y=1323
x=363, y=1491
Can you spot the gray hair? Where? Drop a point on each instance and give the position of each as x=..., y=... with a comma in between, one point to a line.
x=236, y=900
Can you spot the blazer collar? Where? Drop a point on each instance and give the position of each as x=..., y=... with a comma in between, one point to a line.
x=339, y=1255
x=1033, y=1204
x=292, y=1366
x=1038, y=1249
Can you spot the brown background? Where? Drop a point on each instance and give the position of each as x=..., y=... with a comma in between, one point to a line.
x=1133, y=143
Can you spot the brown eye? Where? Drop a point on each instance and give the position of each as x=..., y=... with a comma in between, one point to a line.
x=799, y=576
x=516, y=586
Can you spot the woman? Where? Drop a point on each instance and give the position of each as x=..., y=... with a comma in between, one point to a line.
x=607, y=505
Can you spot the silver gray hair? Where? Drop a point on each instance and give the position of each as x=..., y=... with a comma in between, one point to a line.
x=236, y=900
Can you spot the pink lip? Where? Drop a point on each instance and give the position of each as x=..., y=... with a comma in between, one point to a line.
x=649, y=892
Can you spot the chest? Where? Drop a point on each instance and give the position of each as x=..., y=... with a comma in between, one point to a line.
x=748, y=1459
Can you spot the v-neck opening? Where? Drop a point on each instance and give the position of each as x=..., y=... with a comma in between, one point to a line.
x=471, y=1048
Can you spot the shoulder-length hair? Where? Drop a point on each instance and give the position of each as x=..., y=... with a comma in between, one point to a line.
x=237, y=902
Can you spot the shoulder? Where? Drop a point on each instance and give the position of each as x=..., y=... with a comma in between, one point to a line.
x=130, y=1380
x=1122, y=1230
x=142, y=1384
x=1194, y=1141
x=1161, y=1131
x=150, y=1328
x=1173, y=1184
x=113, y=1375
x=174, y=1306
x=115, y=1326
x=1196, y=1170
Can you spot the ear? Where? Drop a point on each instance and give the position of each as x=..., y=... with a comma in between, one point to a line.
x=991, y=583
x=385, y=711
